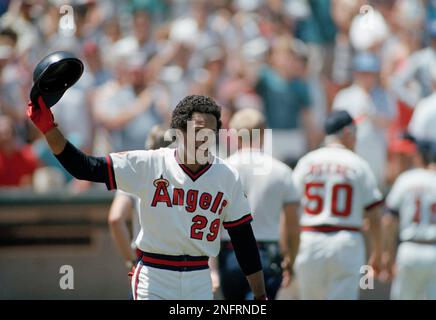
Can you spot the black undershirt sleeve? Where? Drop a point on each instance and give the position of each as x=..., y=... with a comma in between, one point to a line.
x=245, y=247
x=84, y=167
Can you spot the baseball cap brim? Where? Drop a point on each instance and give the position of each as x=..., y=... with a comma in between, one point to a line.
x=336, y=121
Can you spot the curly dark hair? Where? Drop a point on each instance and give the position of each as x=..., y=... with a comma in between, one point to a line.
x=190, y=104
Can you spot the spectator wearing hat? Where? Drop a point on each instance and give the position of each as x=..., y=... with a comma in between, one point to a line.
x=372, y=108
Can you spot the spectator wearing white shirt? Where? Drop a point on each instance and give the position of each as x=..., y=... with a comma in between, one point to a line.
x=422, y=126
x=372, y=108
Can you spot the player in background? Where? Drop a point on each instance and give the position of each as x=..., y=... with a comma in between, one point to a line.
x=268, y=184
x=411, y=216
x=186, y=195
x=338, y=191
x=125, y=207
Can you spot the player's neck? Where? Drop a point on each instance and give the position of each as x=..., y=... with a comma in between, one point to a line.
x=249, y=148
x=335, y=144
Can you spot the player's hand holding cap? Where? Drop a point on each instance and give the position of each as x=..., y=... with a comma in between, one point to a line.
x=52, y=77
x=41, y=116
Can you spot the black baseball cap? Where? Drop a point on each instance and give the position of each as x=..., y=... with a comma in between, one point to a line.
x=336, y=121
x=53, y=76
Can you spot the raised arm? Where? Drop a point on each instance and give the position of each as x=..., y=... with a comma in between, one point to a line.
x=78, y=164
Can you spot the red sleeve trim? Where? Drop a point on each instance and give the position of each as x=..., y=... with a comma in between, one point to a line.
x=373, y=205
x=232, y=224
x=111, y=174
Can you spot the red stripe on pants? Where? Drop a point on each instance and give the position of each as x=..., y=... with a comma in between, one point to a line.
x=135, y=292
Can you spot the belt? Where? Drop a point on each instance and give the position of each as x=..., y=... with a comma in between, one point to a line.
x=174, y=263
x=328, y=228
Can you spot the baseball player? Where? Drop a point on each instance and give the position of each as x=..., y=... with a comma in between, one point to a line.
x=272, y=197
x=411, y=207
x=186, y=194
x=126, y=206
x=338, y=190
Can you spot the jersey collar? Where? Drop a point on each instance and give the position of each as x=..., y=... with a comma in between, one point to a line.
x=193, y=175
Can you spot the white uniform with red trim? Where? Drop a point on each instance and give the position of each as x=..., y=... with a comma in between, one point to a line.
x=181, y=214
x=336, y=186
x=413, y=198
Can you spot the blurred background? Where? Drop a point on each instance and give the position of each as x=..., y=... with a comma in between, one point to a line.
x=295, y=60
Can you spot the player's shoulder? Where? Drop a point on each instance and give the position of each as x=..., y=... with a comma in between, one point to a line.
x=410, y=176
x=334, y=154
x=325, y=153
x=258, y=159
x=278, y=166
x=407, y=180
x=426, y=105
x=144, y=155
x=351, y=90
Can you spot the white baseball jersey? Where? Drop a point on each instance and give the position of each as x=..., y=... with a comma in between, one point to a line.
x=422, y=125
x=268, y=185
x=336, y=185
x=413, y=197
x=181, y=212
